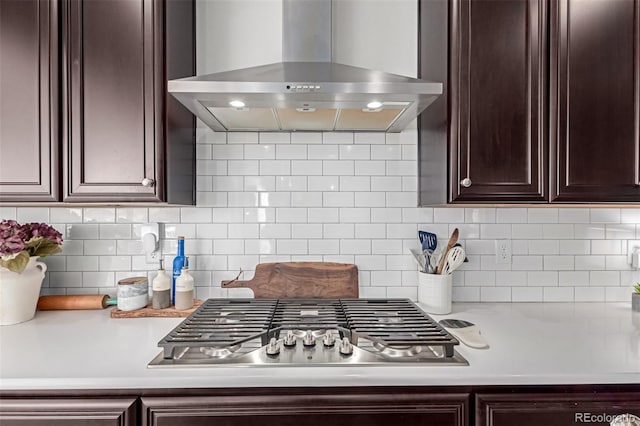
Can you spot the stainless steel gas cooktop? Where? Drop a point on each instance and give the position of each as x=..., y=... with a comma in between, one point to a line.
x=301, y=332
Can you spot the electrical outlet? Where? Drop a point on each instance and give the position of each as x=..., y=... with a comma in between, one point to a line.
x=503, y=252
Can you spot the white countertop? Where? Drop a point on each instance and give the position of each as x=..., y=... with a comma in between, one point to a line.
x=530, y=343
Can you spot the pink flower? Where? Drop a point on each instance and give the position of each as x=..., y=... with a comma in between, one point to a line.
x=12, y=238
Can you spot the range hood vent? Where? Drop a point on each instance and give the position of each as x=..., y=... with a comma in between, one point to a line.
x=306, y=92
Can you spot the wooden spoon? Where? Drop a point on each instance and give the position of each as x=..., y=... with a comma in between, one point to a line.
x=452, y=241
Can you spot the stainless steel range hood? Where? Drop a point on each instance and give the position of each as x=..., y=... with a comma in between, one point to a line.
x=305, y=92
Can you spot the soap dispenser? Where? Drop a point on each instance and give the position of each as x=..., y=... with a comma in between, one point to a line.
x=161, y=286
x=184, y=288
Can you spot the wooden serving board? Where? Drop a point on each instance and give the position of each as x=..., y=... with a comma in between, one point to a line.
x=301, y=280
x=169, y=312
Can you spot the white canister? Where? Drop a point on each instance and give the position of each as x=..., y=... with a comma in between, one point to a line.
x=133, y=293
x=434, y=292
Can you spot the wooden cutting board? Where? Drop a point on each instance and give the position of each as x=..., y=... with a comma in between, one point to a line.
x=169, y=312
x=301, y=280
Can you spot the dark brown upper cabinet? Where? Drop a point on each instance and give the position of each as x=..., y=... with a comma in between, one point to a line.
x=29, y=113
x=595, y=100
x=542, y=101
x=121, y=136
x=118, y=134
x=497, y=95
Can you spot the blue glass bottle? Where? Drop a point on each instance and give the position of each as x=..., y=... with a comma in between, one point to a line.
x=178, y=263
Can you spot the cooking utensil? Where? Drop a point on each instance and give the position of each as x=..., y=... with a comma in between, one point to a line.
x=452, y=241
x=300, y=280
x=87, y=301
x=465, y=331
x=429, y=240
x=455, y=258
x=420, y=259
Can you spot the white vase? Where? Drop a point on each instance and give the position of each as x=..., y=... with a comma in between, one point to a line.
x=19, y=292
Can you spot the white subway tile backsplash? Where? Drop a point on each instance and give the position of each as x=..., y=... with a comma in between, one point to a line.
x=99, y=247
x=292, y=152
x=250, y=183
x=323, y=215
x=274, y=137
x=97, y=215
x=605, y=215
x=342, y=197
x=369, y=138
x=573, y=215
x=356, y=152
x=306, y=168
x=260, y=152
x=386, y=152
x=563, y=231
x=227, y=152
x=495, y=294
x=306, y=137
x=542, y=215
x=306, y=199
x=371, y=230
x=589, y=294
x=608, y=247
x=542, y=278
x=32, y=214
x=604, y=278
x=337, y=138
x=573, y=278
x=244, y=168
x=527, y=294
x=620, y=232
x=67, y=215
x=242, y=137
x=557, y=294
x=497, y=231
x=511, y=215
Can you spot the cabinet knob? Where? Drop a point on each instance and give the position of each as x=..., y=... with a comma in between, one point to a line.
x=466, y=182
x=146, y=182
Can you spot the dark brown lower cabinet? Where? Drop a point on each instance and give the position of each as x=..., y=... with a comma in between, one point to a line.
x=554, y=409
x=353, y=408
x=68, y=411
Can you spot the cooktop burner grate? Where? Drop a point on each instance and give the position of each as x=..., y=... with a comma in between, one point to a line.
x=221, y=323
x=393, y=326
x=395, y=323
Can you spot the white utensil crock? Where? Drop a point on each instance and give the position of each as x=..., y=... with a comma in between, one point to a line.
x=434, y=292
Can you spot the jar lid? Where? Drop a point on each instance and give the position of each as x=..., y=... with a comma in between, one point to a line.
x=132, y=280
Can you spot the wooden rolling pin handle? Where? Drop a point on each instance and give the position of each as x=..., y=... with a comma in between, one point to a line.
x=52, y=303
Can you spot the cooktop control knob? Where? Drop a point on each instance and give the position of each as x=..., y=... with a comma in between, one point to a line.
x=308, y=339
x=289, y=339
x=346, y=348
x=328, y=339
x=273, y=348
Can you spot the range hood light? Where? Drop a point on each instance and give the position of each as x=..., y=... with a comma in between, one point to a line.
x=374, y=105
x=237, y=104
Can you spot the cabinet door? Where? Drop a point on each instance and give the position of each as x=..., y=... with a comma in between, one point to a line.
x=29, y=113
x=114, y=83
x=497, y=100
x=68, y=411
x=302, y=408
x=554, y=409
x=595, y=100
